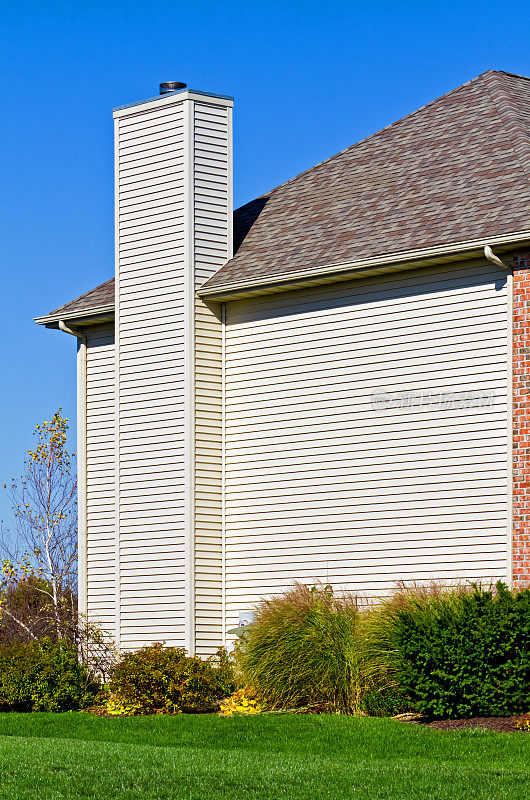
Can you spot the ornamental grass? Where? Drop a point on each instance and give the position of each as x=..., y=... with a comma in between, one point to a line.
x=307, y=648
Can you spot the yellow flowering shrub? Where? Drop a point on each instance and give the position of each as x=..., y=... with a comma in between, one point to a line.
x=524, y=723
x=241, y=702
x=116, y=706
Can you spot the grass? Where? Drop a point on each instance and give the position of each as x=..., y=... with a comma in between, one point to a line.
x=270, y=757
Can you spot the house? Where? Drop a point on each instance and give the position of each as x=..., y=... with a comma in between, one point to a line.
x=334, y=387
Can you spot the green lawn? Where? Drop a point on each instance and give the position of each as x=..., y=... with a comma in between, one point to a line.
x=52, y=756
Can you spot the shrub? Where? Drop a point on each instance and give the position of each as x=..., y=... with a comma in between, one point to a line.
x=383, y=698
x=158, y=679
x=460, y=653
x=302, y=649
x=43, y=676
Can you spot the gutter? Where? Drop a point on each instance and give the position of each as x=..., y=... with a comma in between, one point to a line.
x=466, y=249
x=97, y=311
x=336, y=271
x=81, y=464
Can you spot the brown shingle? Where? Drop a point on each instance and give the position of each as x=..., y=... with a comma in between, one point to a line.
x=96, y=299
x=457, y=169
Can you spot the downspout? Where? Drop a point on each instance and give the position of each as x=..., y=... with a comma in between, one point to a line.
x=490, y=255
x=63, y=327
x=81, y=465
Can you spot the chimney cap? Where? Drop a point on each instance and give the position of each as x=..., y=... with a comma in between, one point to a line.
x=171, y=86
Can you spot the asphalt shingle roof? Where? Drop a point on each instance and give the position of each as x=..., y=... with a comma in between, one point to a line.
x=456, y=170
x=96, y=299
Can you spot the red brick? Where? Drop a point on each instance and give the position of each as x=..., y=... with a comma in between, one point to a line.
x=521, y=419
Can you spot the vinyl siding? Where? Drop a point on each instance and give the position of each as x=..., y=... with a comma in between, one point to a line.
x=150, y=334
x=208, y=481
x=321, y=484
x=173, y=206
x=212, y=248
x=100, y=542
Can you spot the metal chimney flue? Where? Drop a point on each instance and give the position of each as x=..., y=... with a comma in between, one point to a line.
x=171, y=86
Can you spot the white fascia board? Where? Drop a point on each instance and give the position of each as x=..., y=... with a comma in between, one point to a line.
x=97, y=311
x=172, y=99
x=465, y=249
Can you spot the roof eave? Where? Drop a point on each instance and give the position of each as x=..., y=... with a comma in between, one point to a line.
x=390, y=262
x=90, y=316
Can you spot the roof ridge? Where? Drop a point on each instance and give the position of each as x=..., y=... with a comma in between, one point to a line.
x=506, y=109
x=381, y=130
x=505, y=72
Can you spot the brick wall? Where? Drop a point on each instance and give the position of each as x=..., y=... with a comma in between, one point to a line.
x=521, y=419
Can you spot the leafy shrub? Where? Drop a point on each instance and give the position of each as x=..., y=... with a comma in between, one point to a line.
x=43, y=676
x=302, y=649
x=117, y=707
x=158, y=679
x=461, y=653
x=241, y=702
x=383, y=698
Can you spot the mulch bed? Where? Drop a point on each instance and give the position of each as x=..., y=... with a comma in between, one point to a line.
x=499, y=724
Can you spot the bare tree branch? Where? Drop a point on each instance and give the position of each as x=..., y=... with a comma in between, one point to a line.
x=18, y=622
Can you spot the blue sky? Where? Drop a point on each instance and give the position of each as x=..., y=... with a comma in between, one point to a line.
x=309, y=78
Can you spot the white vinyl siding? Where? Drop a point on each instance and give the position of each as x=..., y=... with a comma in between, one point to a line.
x=321, y=484
x=208, y=481
x=212, y=248
x=173, y=203
x=150, y=310
x=100, y=572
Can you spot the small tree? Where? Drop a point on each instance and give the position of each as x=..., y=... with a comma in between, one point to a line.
x=25, y=608
x=44, y=560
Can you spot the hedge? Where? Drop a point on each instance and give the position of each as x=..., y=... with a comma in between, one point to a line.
x=466, y=654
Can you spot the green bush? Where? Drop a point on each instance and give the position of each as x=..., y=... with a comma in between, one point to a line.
x=43, y=676
x=303, y=648
x=383, y=698
x=462, y=653
x=158, y=679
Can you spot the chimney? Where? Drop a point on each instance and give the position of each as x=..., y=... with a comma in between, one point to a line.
x=173, y=177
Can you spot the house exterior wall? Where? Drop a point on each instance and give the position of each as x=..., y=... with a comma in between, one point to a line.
x=173, y=203
x=208, y=480
x=99, y=550
x=367, y=433
x=150, y=376
x=521, y=420
x=212, y=248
